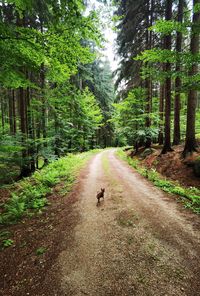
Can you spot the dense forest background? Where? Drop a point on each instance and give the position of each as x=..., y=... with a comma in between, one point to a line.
x=158, y=78
x=57, y=92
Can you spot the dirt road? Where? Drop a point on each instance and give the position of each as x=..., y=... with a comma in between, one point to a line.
x=138, y=241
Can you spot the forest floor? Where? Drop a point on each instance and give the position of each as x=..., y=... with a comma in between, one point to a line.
x=180, y=169
x=138, y=241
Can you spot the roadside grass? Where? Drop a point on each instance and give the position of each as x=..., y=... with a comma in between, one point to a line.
x=30, y=195
x=112, y=181
x=105, y=164
x=190, y=196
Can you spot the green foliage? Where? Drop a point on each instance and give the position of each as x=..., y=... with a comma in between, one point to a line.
x=15, y=207
x=55, y=46
x=97, y=77
x=191, y=195
x=7, y=243
x=31, y=193
x=130, y=116
x=166, y=27
x=40, y=251
x=155, y=57
x=44, y=46
x=197, y=7
x=5, y=240
x=4, y=234
x=10, y=157
x=131, y=38
x=48, y=179
x=154, y=46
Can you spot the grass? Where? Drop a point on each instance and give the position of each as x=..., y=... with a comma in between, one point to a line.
x=31, y=194
x=7, y=243
x=105, y=163
x=40, y=251
x=190, y=196
x=5, y=240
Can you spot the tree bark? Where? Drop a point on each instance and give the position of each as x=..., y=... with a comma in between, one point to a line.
x=167, y=46
x=25, y=168
x=161, y=114
x=56, y=128
x=148, y=82
x=10, y=99
x=2, y=116
x=44, y=110
x=42, y=83
x=30, y=128
x=177, y=105
x=190, y=142
x=14, y=113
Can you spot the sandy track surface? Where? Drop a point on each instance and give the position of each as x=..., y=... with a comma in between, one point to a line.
x=138, y=241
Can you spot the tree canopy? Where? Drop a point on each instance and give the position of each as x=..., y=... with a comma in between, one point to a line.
x=57, y=91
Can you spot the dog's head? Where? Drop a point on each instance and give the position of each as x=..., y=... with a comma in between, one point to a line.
x=102, y=190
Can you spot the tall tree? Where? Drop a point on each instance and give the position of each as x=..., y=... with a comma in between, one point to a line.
x=41, y=108
x=177, y=107
x=161, y=113
x=148, y=81
x=190, y=142
x=167, y=46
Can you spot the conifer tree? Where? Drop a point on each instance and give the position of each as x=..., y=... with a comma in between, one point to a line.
x=167, y=46
x=190, y=142
x=177, y=107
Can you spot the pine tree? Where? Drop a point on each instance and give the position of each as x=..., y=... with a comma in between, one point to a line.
x=190, y=142
x=177, y=107
x=167, y=46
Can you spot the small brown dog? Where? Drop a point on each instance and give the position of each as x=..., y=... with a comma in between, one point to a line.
x=100, y=194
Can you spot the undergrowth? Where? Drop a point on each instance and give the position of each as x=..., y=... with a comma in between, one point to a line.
x=31, y=194
x=190, y=196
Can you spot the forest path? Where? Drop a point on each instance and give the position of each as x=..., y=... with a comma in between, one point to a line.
x=137, y=241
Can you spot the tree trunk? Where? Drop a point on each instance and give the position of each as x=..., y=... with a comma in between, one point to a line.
x=2, y=116
x=177, y=106
x=10, y=99
x=38, y=135
x=44, y=111
x=14, y=112
x=148, y=110
x=190, y=142
x=30, y=128
x=56, y=144
x=167, y=46
x=42, y=84
x=25, y=169
x=161, y=114
x=148, y=82
x=22, y=96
